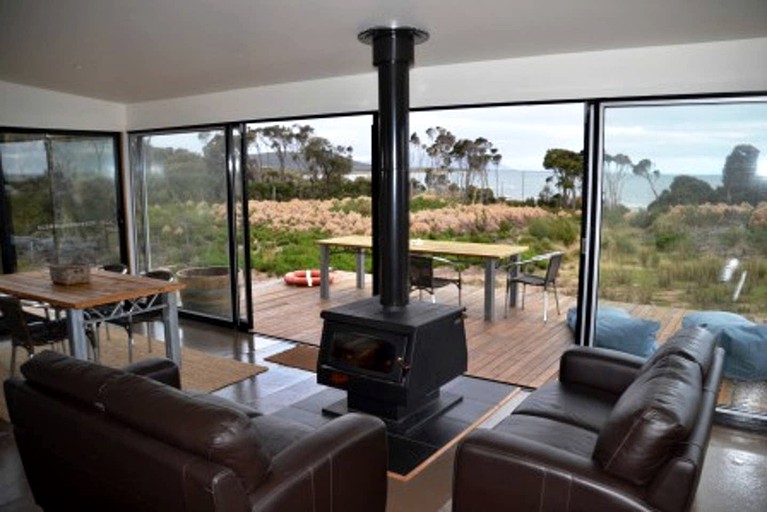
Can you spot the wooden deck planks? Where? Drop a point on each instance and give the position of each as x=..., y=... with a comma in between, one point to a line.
x=520, y=349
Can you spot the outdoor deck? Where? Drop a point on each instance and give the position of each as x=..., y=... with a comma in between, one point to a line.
x=520, y=349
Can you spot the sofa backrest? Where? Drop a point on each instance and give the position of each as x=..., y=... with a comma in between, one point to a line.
x=656, y=412
x=658, y=431
x=219, y=434
x=102, y=439
x=75, y=379
x=693, y=343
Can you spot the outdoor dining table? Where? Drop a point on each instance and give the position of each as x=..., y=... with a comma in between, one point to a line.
x=492, y=254
x=84, y=303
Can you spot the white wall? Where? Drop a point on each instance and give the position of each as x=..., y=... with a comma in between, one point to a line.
x=730, y=66
x=31, y=107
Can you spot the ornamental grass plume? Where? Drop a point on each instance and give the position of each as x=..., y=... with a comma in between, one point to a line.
x=759, y=217
x=342, y=217
x=476, y=218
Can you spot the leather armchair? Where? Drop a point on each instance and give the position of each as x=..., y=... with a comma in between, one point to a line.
x=96, y=438
x=614, y=433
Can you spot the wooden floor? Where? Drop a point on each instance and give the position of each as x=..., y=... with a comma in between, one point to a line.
x=520, y=349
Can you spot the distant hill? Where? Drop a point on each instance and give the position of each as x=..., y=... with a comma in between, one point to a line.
x=270, y=160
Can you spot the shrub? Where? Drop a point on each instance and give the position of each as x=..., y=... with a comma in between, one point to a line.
x=614, y=216
x=642, y=218
x=556, y=228
x=360, y=205
x=668, y=240
x=420, y=203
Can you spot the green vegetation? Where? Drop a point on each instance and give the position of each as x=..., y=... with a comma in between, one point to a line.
x=670, y=253
x=677, y=260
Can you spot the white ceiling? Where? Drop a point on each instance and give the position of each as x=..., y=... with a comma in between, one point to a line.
x=137, y=50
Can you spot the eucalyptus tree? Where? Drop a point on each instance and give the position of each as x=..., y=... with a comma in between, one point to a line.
x=567, y=166
x=739, y=176
x=327, y=163
x=616, y=171
x=646, y=169
x=472, y=158
x=285, y=142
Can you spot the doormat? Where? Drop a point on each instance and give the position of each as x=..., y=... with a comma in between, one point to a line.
x=303, y=357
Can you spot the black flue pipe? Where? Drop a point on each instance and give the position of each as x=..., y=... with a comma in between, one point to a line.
x=393, y=55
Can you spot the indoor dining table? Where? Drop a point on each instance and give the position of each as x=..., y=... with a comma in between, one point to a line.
x=491, y=254
x=85, y=303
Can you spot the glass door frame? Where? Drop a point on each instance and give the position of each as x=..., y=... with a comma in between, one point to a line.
x=591, y=228
x=235, y=160
x=8, y=263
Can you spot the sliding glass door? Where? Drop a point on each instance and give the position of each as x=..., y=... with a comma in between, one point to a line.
x=59, y=199
x=307, y=179
x=182, y=203
x=684, y=229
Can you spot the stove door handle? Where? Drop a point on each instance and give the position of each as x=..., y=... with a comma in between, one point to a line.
x=402, y=364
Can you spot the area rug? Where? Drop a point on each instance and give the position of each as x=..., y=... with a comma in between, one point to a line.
x=303, y=357
x=199, y=371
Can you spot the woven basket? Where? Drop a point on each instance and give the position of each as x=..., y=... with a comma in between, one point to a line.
x=70, y=274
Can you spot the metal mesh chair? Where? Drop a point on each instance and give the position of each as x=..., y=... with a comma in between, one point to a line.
x=422, y=276
x=28, y=331
x=129, y=321
x=517, y=274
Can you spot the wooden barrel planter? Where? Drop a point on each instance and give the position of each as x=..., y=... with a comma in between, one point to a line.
x=207, y=290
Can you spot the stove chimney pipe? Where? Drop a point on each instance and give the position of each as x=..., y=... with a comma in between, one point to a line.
x=393, y=56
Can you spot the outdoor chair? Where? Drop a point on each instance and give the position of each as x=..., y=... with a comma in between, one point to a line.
x=104, y=311
x=127, y=322
x=117, y=268
x=422, y=276
x=517, y=273
x=28, y=331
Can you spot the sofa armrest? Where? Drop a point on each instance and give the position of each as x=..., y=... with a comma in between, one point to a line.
x=497, y=470
x=600, y=368
x=340, y=467
x=159, y=369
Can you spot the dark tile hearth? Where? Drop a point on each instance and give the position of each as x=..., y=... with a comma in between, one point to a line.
x=407, y=450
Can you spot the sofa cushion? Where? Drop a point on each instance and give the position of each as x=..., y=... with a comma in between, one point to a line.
x=746, y=349
x=223, y=402
x=549, y=432
x=577, y=405
x=219, y=434
x=695, y=343
x=72, y=377
x=655, y=413
x=617, y=330
x=276, y=434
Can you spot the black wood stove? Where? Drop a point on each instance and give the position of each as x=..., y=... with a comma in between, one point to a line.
x=390, y=356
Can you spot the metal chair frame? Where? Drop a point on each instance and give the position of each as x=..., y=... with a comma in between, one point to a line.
x=513, y=275
x=422, y=276
x=143, y=310
x=27, y=330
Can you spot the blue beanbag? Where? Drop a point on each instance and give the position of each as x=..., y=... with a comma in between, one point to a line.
x=618, y=330
x=746, y=348
x=714, y=321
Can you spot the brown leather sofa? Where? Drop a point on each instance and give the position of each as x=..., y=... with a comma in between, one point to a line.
x=615, y=433
x=96, y=438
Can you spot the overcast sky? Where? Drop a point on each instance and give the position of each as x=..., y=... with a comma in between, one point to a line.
x=680, y=139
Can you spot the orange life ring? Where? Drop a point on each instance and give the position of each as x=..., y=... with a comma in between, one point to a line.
x=305, y=278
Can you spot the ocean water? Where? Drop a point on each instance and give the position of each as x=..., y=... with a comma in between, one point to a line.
x=520, y=185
